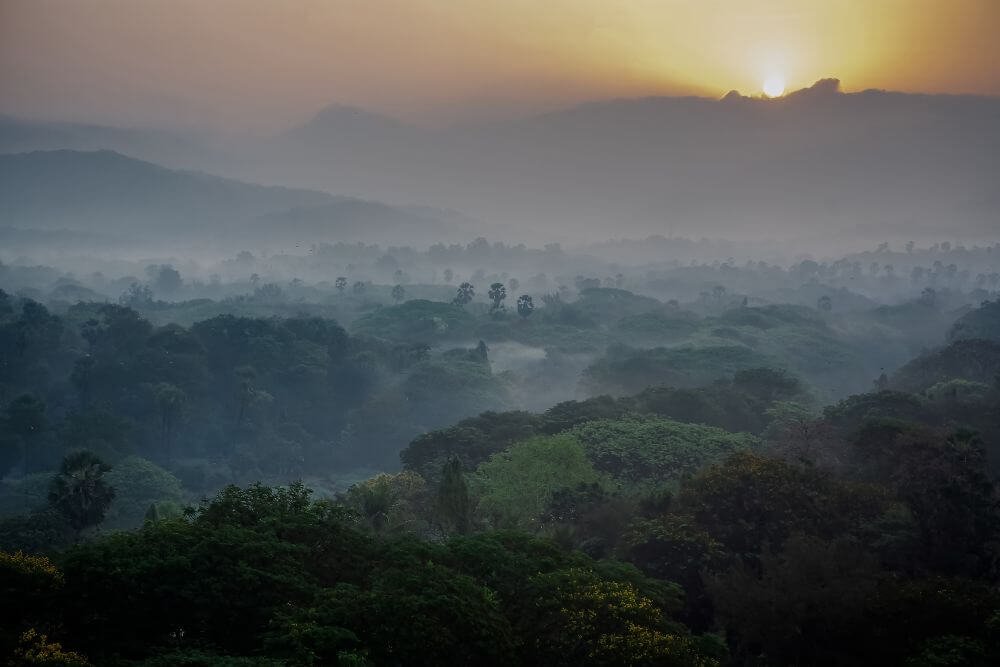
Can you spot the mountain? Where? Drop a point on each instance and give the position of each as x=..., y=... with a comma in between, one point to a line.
x=873, y=164
x=178, y=149
x=341, y=124
x=364, y=152
x=817, y=165
x=108, y=193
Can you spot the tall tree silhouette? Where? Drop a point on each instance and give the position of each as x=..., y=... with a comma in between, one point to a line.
x=79, y=491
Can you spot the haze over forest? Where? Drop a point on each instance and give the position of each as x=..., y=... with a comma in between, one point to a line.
x=576, y=333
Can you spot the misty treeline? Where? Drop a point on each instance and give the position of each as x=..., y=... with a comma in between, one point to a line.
x=675, y=268
x=354, y=454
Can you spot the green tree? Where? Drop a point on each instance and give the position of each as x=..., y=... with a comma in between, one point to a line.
x=525, y=306
x=137, y=295
x=97, y=430
x=26, y=419
x=674, y=548
x=946, y=485
x=217, y=577
x=422, y=613
x=454, y=505
x=497, y=295
x=80, y=491
x=35, y=648
x=30, y=585
x=582, y=619
x=390, y=502
x=464, y=295
x=170, y=401
x=10, y=453
x=398, y=293
x=749, y=501
x=515, y=486
x=649, y=451
x=801, y=605
x=166, y=279
x=138, y=484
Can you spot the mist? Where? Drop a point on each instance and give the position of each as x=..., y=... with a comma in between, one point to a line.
x=398, y=333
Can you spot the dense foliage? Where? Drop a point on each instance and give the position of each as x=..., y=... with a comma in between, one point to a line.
x=592, y=477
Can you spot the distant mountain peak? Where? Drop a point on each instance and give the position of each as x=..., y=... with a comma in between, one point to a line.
x=340, y=117
x=349, y=122
x=822, y=88
x=347, y=111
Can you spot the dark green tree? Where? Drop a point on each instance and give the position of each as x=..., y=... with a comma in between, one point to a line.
x=80, y=492
x=465, y=293
x=497, y=294
x=26, y=419
x=136, y=296
x=165, y=278
x=170, y=401
x=453, y=503
x=525, y=306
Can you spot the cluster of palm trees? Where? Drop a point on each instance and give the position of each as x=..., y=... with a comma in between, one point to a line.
x=497, y=295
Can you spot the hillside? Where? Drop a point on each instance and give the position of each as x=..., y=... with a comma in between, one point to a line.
x=105, y=192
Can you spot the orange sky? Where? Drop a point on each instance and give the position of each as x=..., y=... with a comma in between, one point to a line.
x=265, y=64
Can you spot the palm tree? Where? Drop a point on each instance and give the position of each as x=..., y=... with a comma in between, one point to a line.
x=465, y=293
x=79, y=491
x=497, y=294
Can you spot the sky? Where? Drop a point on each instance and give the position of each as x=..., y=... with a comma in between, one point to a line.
x=262, y=65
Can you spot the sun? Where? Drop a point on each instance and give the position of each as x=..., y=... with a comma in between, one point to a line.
x=774, y=85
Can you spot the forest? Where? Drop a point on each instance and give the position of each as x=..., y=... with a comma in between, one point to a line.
x=396, y=333
x=656, y=452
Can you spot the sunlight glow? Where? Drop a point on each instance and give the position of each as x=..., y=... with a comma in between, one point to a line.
x=774, y=85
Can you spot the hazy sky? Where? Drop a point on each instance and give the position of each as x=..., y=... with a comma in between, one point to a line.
x=265, y=64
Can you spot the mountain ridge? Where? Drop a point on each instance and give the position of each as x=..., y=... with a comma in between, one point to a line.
x=108, y=192
x=866, y=164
